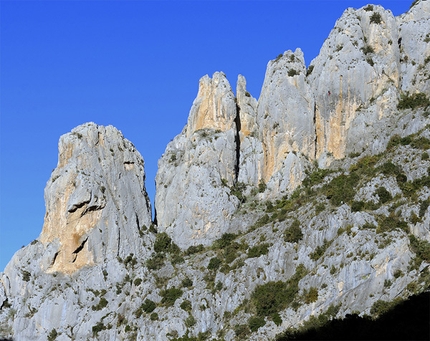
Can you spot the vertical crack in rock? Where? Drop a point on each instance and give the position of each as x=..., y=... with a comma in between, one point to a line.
x=315, y=130
x=137, y=222
x=237, y=143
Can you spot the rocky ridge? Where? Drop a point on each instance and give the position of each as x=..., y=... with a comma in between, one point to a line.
x=256, y=200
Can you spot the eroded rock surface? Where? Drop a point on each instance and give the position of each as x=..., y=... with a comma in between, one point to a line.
x=353, y=237
x=192, y=200
x=96, y=202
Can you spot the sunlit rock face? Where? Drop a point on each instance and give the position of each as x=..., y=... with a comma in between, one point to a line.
x=96, y=201
x=198, y=167
x=353, y=238
x=368, y=60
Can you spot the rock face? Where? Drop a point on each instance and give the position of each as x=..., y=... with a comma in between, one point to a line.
x=318, y=193
x=96, y=201
x=192, y=200
x=303, y=115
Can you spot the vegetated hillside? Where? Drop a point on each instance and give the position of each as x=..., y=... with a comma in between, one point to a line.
x=298, y=208
x=346, y=241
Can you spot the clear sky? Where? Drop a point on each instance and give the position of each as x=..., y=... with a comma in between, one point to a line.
x=131, y=64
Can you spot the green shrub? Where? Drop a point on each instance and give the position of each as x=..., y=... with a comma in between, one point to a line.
x=357, y=206
x=214, y=263
x=25, y=275
x=309, y=70
x=320, y=250
x=272, y=297
x=390, y=223
x=169, y=296
x=238, y=188
x=241, y=331
x=187, y=282
x=256, y=322
x=194, y=249
x=53, y=334
x=375, y=18
x=341, y=189
x=186, y=305
x=380, y=307
x=277, y=319
x=130, y=259
x=269, y=298
x=156, y=261
x=383, y=194
x=261, y=221
x=389, y=168
x=190, y=321
x=148, y=306
x=225, y=240
x=292, y=72
x=367, y=49
x=420, y=142
x=163, y=243
x=316, y=177
x=311, y=295
x=293, y=234
x=319, y=208
x=368, y=8
x=97, y=328
x=423, y=207
x=258, y=250
x=102, y=304
x=137, y=281
x=261, y=187
x=154, y=317
x=420, y=247
x=413, y=101
x=231, y=252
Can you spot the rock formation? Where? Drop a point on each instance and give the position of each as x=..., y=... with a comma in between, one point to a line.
x=192, y=200
x=309, y=203
x=96, y=197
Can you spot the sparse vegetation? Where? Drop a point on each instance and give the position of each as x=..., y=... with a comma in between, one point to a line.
x=258, y=250
x=268, y=299
x=53, y=335
x=169, y=296
x=367, y=49
x=413, y=101
x=375, y=18
x=292, y=72
x=293, y=234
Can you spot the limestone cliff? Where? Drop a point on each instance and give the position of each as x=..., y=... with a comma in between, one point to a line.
x=96, y=196
x=193, y=202
x=310, y=203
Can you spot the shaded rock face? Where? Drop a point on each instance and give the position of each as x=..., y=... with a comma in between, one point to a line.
x=96, y=201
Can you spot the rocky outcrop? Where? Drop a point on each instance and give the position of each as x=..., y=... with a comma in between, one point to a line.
x=303, y=115
x=97, y=210
x=96, y=202
x=353, y=237
x=193, y=202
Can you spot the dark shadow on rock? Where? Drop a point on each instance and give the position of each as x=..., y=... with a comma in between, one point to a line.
x=409, y=320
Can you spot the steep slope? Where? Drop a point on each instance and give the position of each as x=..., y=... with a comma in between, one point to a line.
x=192, y=201
x=320, y=114
x=96, y=208
x=308, y=204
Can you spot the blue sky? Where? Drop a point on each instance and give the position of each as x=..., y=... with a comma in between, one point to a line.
x=131, y=64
